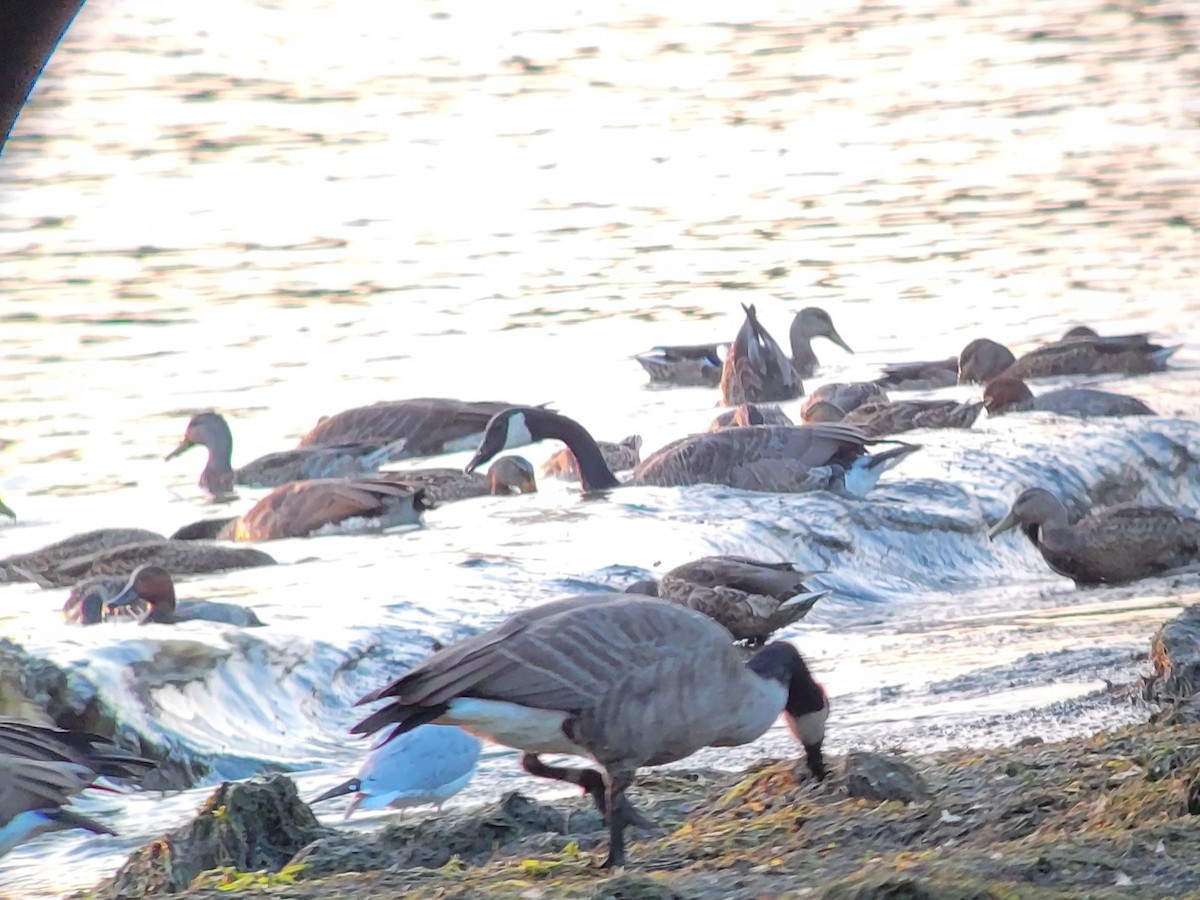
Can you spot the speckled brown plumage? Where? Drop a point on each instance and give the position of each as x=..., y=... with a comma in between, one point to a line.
x=756, y=369
x=20, y=566
x=183, y=557
x=896, y=417
x=620, y=457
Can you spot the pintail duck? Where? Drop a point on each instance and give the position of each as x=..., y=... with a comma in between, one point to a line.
x=27, y=566
x=184, y=557
x=1006, y=394
x=746, y=414
x=749, y=597
x=847, y=396
x=756, y=369
x=210, y=430
x=619, y=457
x=696, y=365
x=809, y=323
x=1113, y=545
x=760, y=458
x=627, y=681
x=303, y=508
x=152, y=586
x=42, y=768
x=427, y=426
x=899, y=416
x=427, y=765
x=984, y=359
x=507, y=475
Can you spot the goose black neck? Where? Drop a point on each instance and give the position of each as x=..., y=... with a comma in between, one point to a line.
x=782, y=662
x=594, y=473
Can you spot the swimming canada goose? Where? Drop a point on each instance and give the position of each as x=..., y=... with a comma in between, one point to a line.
x=42, y=768
x=152, y=586
x=619, y=457
x=627, y=681
x=847, y=396
x=1006, y=394
x=756, y=369
x=427, y=765
x=184, y=557
x=984, y=359
x=749, y=597
x=760, y=458
x=1112, y=545
x=745, y=414
x=26, y=566
x=696, y=365
x=809, y=323
x=507, y=475
x=210, y=430
x=428, y=426
x=302, y=508
x=898, y=416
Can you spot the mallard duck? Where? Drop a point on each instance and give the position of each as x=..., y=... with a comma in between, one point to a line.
x=624, y=680
x=27, y=566
x=85, y=602
x=919, y=376
x=507, y=475
x=1006, y=394
x=898, y=416
x=427, y=426
x=765, y=458
x=210, y=430
x=984, y=359
x=696, y=365
x=756, y=369
x=751, y=598
x=619, y=457
x=1087, y=333
x=184, y=557
x=152, y=586
x=303, y=508
x=745, y=414
x=847, y=396
x=42, y=768
x=1112, y=545
x=5, y=511
x=810, y=323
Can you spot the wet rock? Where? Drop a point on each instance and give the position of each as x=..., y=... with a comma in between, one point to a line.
x=249, y=826
x=1185, y=712
x=900, y=887
x=1175, y=655
x=633, y=886
x=874, y=776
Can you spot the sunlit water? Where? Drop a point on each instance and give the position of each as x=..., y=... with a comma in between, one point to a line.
x=281, y=210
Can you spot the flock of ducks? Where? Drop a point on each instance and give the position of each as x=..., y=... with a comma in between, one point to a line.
x=627, y=678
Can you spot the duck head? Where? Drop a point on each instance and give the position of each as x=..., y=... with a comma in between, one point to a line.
x=1003, y=394
x=1033, y=509
x=807, y=706
x=509, y=428
x=153, y=585
x=811, y=322
x=982, y=360
x=206, y=429
x=512, y=475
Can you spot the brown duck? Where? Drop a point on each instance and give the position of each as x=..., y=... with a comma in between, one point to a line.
x=919, y=376
x=507, y=475
x=751, y=598
x=27, y=566
x=695, y=365
x=847, y=396
x=756, y=369
x=809, y=323
x=984, y=359
x=184, y=557
x=898, y=416
x=619, y=457
x=151, y=588
x=1112, y=545
x=746, y=414
x=1007, y=394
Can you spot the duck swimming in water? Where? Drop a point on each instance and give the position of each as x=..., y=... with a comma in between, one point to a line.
x=152, y=585
x=848, y=396
x=27, y=566
x=507, y=475
x=984, y=359
x=810, y=323
x=1007, y=394
x=756, y=369
x=1112, y=545
x=746, y=414
x=619, y=457
x=898, y=416
x=183, y=557
x=697, y=365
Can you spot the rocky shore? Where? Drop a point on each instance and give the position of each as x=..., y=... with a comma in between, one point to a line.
x=1113, y=815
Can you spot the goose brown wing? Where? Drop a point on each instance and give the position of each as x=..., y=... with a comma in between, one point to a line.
x=741, y=573
x=427, y=423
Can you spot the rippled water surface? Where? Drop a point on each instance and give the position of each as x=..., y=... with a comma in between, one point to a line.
x=284, y=209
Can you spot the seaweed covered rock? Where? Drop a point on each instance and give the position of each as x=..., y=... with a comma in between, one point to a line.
x=874, y=776
x=1175, y=654
x=249, y=826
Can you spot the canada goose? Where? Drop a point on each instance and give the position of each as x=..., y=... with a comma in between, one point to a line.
x=427, y=426
x=619, y=457
x=697, y=365
x=756, y=370
x=627, y=681
x=898, y=416
x=848, y=396
x=184, y=557
x=427, y=765
x=42, y=768
x=984, y=359
x=1113, y=545
x=302, y=508
x=1005, y=394
x=152, y=585
x=746, y=414
x=764, y=458
x=210, y=430
x=507, y=475
x=809, y=323
x=27, y=566
x=749, y=597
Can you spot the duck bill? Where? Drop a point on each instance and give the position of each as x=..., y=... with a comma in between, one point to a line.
x=341, y=790
x=184, y=445
x=1002, y=526
x=837, y=339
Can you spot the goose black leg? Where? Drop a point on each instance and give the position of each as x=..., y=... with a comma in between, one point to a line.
x=616, y=783
x=592, y=782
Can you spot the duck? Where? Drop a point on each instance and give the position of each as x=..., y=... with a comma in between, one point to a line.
x=762, y=458
x=847, y=396
x=211, y=430
x=1009, y=394
x=756, y=370
x=897, y=416
x=153, y=587
x=427, y=765
x=85, y=601
x=507, y=475
x=27, y=566
x=428, y=426
x=745, y=414
x=184, y=557
x=42, y=768
x=620, y=457
x=1111, y=545
x=694, y=365
x=809, y=323
x=625, y=680
x=984, y=359
x=751, y=598
x=919, y=376
x=9, y=514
